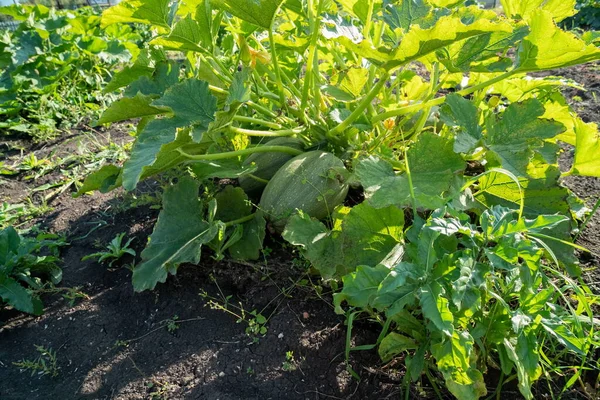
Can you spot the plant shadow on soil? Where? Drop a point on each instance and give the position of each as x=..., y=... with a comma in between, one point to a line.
x=208, y=356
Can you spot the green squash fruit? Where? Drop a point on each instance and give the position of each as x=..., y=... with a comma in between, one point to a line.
x=314, y=182
x=268, y=164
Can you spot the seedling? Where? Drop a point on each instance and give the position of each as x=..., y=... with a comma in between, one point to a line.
x=172, y=324
x=44, y=364
x=115, y=250
x=290, y=362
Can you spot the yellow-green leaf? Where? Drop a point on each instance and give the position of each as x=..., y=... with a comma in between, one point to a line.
x=549, y=47
x=587, y=151
x=419, y=42
x=150, y=12
x=257, y=12
x=524, y=9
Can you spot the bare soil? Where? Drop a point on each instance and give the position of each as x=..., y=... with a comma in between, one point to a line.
x=116, y=344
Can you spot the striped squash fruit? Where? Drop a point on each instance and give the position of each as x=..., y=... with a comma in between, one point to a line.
x=267, y=165
x=314, y=182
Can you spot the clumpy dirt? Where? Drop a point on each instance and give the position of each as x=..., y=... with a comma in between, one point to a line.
x=173, y=343
x=116, y=345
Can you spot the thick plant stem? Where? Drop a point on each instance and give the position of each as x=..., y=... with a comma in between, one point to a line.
x=276, y=67
x=310, y=63
x=587, y=220
x=440, y=100
x=240, y=220
x=257, y=121
x=361, y=106
x=237, y=153
x=280, y=133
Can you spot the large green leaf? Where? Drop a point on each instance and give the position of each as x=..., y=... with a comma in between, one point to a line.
x=435, y=308
x=462, y=377
x=129, y=108
x=177, y=238
x=104, y=180
x=420, y=42
x=151, y=12
x=191, y=104
x=364, y=236
x=394, y=344
x=549, y=47
x=257, y=12
x=524, y=9
x=433, y=166
x=318, y=242
x=542, y=193
x=187, y=34
x=514, y=138
x=482, y=53
x=251, y=243
x=524, y=354
x=232, y=204
x=463, y=114
x=9, y=245
x=587, y=151
x=360, y=287
x=17, y=296
x=405, y=14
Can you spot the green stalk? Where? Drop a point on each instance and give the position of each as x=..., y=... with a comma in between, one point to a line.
x=367, y=29
x=587, y=220
x=276, y=67
x=255, y=121
x=237, y=153
x=240, y=220
x=280, y=133
x=411, y=187
x=261, y=109
x=314, y=38
x=361, y=106
x=440, y=100
x=256, y=178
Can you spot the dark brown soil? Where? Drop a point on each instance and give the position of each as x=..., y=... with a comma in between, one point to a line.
x=116, y=344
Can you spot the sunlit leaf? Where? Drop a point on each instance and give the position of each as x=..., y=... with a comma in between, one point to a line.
x=151, y=12
x=258, y=12
x=548, y=47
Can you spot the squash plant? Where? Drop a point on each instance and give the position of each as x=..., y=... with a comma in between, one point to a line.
x=53, y=67
x=462, y=249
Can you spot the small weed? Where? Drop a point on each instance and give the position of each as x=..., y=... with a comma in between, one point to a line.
x=577, y=99
x=172, y=324
x=256, y=322
x=250, y=371
x=158, y=390
x=267, y=251
x=115, y=250
x=44, y=364
x=290, y=363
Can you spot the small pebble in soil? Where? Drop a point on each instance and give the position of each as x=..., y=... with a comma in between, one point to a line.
x=305, y=315
x=221, y=374
x=280, y=336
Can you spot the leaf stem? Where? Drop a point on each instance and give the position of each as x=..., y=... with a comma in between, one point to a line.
x=587, y=220
x=240, y=220
x=440, y=100
x=276, y=67
x=257, y=121
x=364, y=103
x=314, y=38
x=237, y=153
x=280, y=133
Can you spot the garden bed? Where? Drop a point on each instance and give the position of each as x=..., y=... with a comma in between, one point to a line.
x=170, y=343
